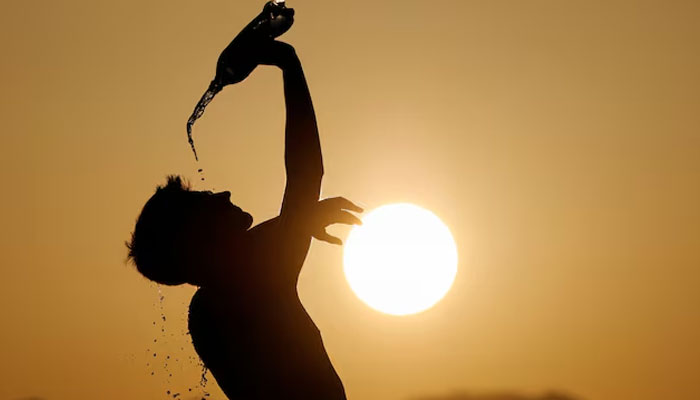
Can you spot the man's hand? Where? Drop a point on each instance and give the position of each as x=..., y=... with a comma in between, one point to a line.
x=273, y=52
x=333, y=211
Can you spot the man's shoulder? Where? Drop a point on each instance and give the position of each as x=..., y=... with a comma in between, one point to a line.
x=198, y=297
x=213, y=306
x=207, y=318
x=197, y=307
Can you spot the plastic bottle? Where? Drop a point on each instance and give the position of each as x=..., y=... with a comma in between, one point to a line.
x=274, y=20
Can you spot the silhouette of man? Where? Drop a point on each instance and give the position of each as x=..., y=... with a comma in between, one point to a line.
x=246, y=320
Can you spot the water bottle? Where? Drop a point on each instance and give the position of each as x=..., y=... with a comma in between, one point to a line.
x=274, y=20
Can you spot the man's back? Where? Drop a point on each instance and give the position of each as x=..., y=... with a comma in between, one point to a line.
x=261, y=345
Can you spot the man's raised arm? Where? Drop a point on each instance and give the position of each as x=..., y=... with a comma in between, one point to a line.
x=287, y=237
x=302, y=153
x=302, y=215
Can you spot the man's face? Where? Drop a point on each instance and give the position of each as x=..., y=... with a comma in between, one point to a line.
x=216, y=210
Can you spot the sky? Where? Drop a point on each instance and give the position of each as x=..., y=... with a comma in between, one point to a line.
x=558, y=140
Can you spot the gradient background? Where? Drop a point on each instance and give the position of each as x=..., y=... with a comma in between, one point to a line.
x=559, y=141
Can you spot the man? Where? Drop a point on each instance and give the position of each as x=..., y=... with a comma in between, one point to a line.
x=246, y=320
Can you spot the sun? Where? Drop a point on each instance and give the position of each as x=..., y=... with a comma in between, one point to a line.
x=402, y=259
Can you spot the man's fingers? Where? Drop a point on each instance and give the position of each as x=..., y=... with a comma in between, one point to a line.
x=324, y=236
x=343, y=204
x=344, y=217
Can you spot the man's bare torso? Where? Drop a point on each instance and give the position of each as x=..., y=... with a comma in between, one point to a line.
x=262, y=346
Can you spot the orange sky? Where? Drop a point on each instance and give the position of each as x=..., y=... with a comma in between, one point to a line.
x=559, y=141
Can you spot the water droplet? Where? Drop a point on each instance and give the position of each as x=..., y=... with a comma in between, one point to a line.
x=203, y=379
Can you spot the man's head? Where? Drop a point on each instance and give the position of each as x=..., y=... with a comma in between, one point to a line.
x=181, y=234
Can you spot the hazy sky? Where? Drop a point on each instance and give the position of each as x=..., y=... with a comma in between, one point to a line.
x=559, y=141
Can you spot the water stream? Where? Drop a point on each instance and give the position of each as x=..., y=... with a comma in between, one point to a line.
x=207, y=97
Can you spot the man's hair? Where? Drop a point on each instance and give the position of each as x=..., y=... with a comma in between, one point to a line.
x=156, y=246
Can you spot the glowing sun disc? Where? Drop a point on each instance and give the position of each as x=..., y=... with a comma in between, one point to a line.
x=402, y=260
